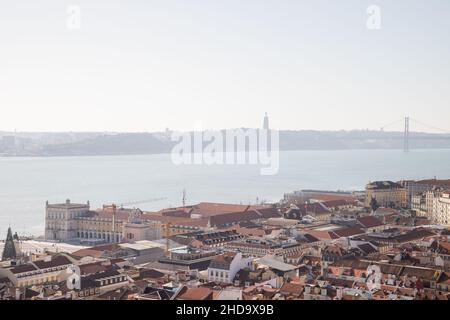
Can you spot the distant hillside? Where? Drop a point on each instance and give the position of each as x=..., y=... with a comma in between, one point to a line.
x=64, y=144
x=341, y=140
x=126, y=143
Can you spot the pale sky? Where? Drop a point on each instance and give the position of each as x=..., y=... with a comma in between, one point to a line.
x=143, y=65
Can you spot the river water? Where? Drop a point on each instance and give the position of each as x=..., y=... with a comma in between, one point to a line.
x=26, y=183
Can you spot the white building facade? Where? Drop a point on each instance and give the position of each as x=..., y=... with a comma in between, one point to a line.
x=441, y=209
x=223, y=269
x=61, y=220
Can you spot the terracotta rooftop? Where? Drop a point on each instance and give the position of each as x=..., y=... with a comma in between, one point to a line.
x=369, y=222
x=347, y=232
x=413, y=235
x=334, y=249
x=95, y=252
x=90, y=268
x=332, y=197
x=54, y=262
x=291, y=289
x=181, y=221
x=384, y=211
x=233, y=217
x=4, y=280
x=222, y=261
x=445, y=245
x=151, y=273
x=435, y=182
x=336, y=203
x=200, y=293
x=253, y=232
x=122, y=214
x=207, y=209
x=367, y=248
x=23, y=268
x=316, y=208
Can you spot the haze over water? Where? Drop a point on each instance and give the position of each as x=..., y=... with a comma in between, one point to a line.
x=26, y=183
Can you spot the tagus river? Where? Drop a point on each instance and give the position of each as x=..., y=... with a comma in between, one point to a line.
x=26, y=183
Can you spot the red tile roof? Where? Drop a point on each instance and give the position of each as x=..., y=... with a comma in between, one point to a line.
x=335, y=234
x=369, y=222
x=223, y=261
x=336, y=203
x=347, y=232
x=181, y=221
x=384, y=211
x=331, y=197
x=54, y=262
x=4, y=280
x=90, y=268
x=200, y=293
x=122, y=214
x=435, y=182
x=23, y=268
x=291, y=289
x=254, y=232
x=207, y=209
x=95, y=252
x=233, y=217
x=315, y=208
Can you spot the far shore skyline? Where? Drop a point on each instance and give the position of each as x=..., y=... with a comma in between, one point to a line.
x=2, y=132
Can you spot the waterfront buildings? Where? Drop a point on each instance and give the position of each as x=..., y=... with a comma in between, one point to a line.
x=61, y=220
x=70, y=222
x=39, y=272
x=386, y=194
x=415, y=187
x=325, y=247
x=441, y=209
x=433, y=204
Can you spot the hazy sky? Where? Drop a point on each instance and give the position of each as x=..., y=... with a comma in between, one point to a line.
x=142, y=65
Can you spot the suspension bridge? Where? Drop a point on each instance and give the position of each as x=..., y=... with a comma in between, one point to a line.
x=407, y=137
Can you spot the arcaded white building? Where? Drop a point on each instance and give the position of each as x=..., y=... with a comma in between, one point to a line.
x=61, y=220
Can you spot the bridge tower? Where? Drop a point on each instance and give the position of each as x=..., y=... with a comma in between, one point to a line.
x=406, y=136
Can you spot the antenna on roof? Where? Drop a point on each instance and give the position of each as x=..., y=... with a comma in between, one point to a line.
x=184, y=197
